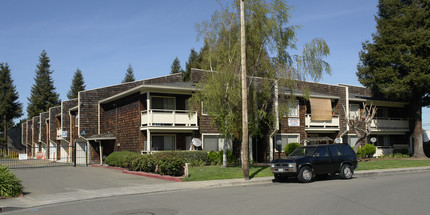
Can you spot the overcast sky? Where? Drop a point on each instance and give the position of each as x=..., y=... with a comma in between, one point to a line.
x=102, y=37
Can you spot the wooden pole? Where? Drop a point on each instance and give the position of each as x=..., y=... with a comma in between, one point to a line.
x=245, y=161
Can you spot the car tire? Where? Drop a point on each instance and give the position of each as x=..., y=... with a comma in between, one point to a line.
x=305, y=174
x=346, y=171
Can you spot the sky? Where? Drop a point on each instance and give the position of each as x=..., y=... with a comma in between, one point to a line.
x=102, y=37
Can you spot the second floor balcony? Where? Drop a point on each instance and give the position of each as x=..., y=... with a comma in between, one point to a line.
x=391, y=124
x=161, y=118
x=332, y=124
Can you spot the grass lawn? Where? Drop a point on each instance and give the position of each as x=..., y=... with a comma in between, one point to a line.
x=217, y=172
x=390, y=164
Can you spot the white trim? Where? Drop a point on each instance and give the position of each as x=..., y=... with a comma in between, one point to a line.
x=201, y=106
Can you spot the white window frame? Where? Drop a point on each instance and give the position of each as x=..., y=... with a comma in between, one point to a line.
x=204, y=113
x=297, y=106
x=164, y=135
x=285, y=134
x=171, y=97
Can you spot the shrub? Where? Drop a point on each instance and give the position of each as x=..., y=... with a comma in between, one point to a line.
x=169, y=164
x=367, y=151
x=188, y=156
x=10, y=185
x=395, y=156
x=213, y=158
x=144, y=163
x=121, y=159
x=290, y=147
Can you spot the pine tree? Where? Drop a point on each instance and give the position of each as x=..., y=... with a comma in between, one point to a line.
x=43, y=95
x=129, y=75
x=78, y=84
x=10, y=108
x=396, y=64
x=194, y=60
x=176, y=66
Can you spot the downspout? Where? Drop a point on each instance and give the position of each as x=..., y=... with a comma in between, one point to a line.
x=275, y=101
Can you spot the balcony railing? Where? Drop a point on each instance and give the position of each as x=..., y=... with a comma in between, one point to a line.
x=333, y=123
x=157, y=117
x=389, y=124
x=59, y=134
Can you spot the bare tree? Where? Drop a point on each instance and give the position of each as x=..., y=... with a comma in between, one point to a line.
x=361, y=123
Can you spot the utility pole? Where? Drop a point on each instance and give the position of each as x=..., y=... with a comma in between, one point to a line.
x=245, y=161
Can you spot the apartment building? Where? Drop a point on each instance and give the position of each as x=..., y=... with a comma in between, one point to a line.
x=153, y=115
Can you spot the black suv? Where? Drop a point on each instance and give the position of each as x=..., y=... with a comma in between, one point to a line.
x=306, y=162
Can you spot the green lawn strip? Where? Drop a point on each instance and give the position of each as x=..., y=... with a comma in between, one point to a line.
x=217, y=172
x=390, y=164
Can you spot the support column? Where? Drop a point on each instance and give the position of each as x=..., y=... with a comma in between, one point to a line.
x=148, y=141
x=101, y=152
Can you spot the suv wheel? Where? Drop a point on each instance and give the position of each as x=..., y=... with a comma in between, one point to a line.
x=305, y=175
x=346, y=171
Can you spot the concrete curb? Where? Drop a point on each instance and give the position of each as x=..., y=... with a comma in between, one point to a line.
x=145, y=174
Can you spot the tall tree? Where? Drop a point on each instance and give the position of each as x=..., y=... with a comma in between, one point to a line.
x=10, y=108
x=129, y=75
x=269, y=38
x=194, y=60
x=176, y=66
x=396, y=63
x=78, y=84
x=43, y=95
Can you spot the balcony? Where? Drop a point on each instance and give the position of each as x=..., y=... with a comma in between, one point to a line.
x=59, y=134
x=389, y=124
x=333, y=124
x=168, y=119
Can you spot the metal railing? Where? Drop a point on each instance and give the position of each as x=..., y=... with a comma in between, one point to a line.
x=333, y=123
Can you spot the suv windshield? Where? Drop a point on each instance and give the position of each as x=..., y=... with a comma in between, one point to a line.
x=303, y=151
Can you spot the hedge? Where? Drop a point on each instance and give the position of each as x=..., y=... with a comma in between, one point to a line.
x=10, y=185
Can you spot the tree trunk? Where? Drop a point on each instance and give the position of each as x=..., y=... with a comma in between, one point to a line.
x=416, y=106
x=5, y=135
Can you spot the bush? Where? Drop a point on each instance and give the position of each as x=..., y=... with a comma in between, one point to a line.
x=213, y=158
x=290, y=147
x=120, y=159
x=231, y=160
x=168, y=164
x=188, y=156
x=367, y=151
x=10, y=185
x=144, y=163
x=395, y=156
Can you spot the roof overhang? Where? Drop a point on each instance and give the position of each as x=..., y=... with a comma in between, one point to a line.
x=149, y=88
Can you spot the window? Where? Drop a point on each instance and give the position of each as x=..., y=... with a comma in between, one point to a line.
x=293, y=110
x=354, y=110
x=164, y=103
x=285, y=139
x=160, y=143
x=321, y=151
x=334, y=150
x=204, y=110
x=214, y=143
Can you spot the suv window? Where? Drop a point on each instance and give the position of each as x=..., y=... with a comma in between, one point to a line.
x=347, y=150
x=321, y=151
x=303, y=151
x=335, y=150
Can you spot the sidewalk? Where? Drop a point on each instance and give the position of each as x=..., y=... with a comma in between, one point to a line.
x=85, y=194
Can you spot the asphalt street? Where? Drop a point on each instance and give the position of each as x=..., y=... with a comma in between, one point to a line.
x=404, y=193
